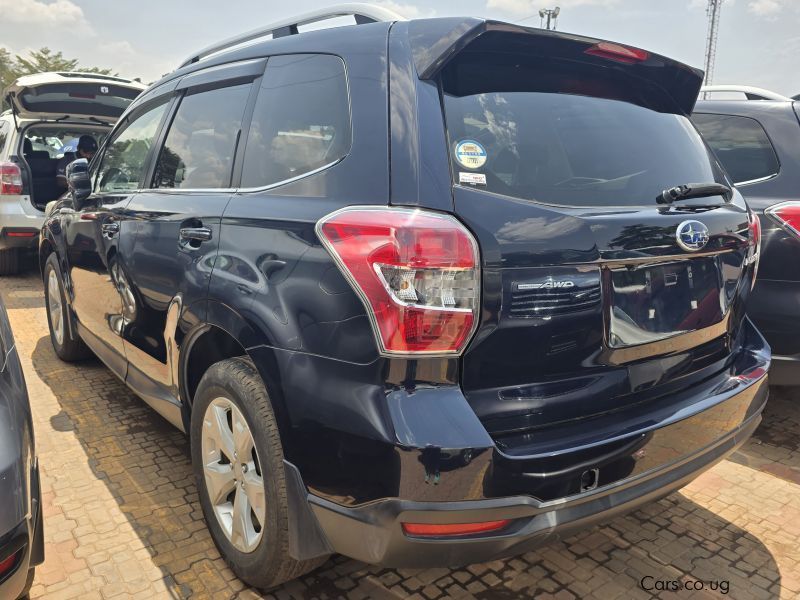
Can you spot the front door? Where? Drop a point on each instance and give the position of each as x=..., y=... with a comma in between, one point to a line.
x=93, y=235
x=175, y=228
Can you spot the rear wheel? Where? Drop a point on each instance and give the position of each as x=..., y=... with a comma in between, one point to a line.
x=237, y=459
x=9, y=261
x=66, y=348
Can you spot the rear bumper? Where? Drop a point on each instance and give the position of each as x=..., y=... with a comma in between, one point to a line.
x=20, y=222
x=27, y=541
x=785, y=370
x=645, y=460
x=373, y=533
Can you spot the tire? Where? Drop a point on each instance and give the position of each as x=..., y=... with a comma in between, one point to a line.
x=9, y=261
x=228, y=386
x=67, y=349
x=28, y=584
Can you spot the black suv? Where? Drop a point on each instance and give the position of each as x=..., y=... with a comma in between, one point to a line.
x=421, y=292
x=755, y=134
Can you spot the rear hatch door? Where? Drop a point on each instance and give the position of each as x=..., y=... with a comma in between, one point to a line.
x=596, y=298
x=72, y=96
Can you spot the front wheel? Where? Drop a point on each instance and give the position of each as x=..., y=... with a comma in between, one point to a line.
x=237, y=459
x=66, y=348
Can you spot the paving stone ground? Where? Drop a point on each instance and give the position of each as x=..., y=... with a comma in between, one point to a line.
x=122, y=517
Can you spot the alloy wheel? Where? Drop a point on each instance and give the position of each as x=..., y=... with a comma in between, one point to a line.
x=232, y=473
x=54, y=306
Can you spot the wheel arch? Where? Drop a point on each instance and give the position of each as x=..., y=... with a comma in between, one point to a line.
x=223, y=335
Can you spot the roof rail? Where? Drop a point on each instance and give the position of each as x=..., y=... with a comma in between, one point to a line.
x=751, y=93
x=363, y=13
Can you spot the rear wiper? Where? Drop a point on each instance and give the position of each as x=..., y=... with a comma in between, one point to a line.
x=96, y=120
x=694, y=190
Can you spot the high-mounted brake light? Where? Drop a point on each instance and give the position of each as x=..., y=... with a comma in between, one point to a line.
x=10, y=179
x=787, y=214
x=453, y=529
x=417, y=272
x=618, y=52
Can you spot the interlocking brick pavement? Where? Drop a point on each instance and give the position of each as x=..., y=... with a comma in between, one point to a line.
x=122, y=518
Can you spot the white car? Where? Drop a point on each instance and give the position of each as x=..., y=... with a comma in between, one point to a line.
x=49, y=111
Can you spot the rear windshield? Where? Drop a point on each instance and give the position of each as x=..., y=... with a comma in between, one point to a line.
x=91, y=99
x=541, y=142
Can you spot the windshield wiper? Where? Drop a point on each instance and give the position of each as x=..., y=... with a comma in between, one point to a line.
x=694, y=190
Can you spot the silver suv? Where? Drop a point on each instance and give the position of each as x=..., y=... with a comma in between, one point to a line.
x=49, y=113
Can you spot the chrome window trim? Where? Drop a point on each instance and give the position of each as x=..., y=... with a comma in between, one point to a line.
x=757, y=180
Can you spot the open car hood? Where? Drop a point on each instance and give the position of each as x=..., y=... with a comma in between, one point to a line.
x=72, y=96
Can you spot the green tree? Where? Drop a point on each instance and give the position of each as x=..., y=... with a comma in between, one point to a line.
x=38, y=61
x=7, y=72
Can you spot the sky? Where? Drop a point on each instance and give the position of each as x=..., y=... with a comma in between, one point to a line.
x=759, y=40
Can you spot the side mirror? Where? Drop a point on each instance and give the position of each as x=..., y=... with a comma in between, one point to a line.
x=78, y=180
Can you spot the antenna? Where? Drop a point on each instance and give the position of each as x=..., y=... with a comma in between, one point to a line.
x=713, y=11
x=551, y=14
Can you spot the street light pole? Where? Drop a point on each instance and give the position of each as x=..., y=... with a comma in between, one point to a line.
x=549, y=14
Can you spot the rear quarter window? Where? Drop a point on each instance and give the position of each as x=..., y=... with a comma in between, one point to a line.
x=3, y=136
x=741, y=145
x=301, y=120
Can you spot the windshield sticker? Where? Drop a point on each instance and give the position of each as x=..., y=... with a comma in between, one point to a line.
x=472, y=178
x=470, y=154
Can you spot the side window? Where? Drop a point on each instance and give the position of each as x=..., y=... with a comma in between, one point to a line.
x=741, y=145
x=123, y=163
x=301, y=120
x=3, y=136
x=201, y=143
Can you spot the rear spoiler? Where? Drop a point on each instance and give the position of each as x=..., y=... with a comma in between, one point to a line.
x=435, y=42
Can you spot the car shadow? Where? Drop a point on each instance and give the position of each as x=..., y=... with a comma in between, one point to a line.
x=145, y=464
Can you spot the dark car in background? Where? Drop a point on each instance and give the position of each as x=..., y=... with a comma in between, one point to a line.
x=21, y=532
x=421, y=292
x=755, y=134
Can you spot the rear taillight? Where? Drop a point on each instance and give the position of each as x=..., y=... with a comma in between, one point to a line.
x=754, y=243
x=787, y=214
x=10, y=179
x=618, y=53
x=418, y=273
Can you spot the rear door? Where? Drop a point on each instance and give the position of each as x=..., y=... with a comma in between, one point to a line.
x=72, y=96
x=176, y=224
x=595, y=297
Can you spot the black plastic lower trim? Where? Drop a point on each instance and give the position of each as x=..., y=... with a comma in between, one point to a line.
x=372, y=533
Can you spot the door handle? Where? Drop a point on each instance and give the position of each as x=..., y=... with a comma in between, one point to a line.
x=110, y=229
x=199, y=234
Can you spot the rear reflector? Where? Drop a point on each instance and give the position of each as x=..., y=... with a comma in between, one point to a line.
x=416, y=271
x=618, y=53
x=9, y=563
x=788, y=215
x=10, y=179
x=21, y=233
x=451, y=529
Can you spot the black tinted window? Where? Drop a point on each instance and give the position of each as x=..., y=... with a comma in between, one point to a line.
x=301, y=120
x=741, y=144
x=123, y=163
x=201, y=143
x=540, y=132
